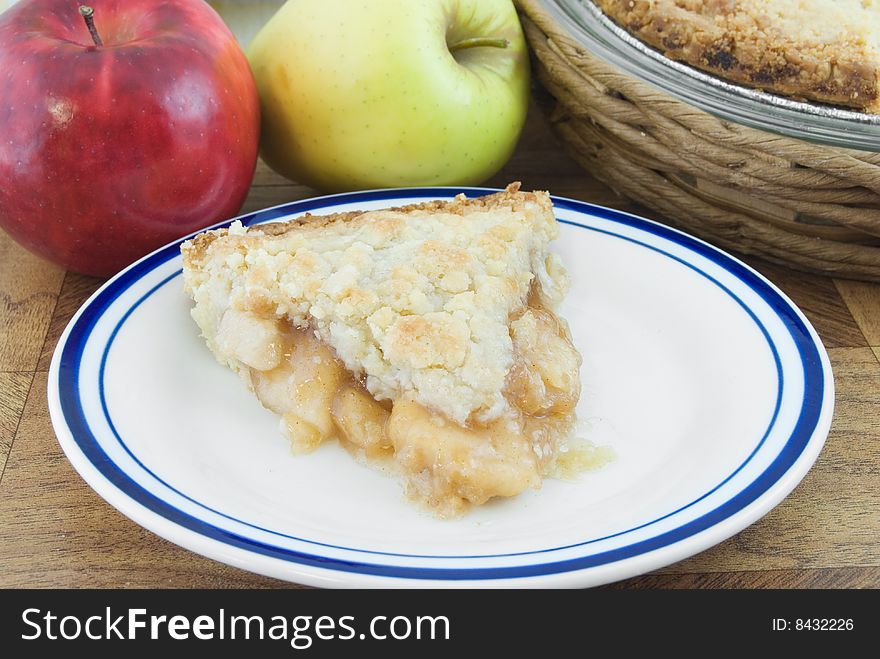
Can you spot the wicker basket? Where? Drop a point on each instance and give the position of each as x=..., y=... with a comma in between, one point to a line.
x=809, y=206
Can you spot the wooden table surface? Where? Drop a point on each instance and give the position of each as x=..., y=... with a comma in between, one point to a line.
x=56, y=532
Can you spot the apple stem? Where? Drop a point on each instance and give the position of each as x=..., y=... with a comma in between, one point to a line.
x=479, y=42
x=89, y=15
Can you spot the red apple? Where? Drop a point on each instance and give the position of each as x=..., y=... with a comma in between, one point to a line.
x=112, y=145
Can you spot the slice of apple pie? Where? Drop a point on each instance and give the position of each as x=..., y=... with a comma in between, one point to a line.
x=421, y=337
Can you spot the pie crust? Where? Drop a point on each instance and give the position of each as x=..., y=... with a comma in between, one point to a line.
x=817, y=50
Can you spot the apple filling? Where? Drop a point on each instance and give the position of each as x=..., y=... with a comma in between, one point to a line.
x=446, y=466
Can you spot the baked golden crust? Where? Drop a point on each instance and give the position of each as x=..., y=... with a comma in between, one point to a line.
x=512, y=198
x=818, y=50
x=414, y=300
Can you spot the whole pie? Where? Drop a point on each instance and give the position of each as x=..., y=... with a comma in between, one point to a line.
x=423, y=338
x=819, y=50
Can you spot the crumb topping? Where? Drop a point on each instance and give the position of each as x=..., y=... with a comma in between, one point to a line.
x=824, y=50
x=416, y=301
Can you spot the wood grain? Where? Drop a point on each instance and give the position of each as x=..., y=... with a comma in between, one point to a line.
x=14, y=389
x=863, y=301
x=28, y=288
x=857, y=577
x=265, y=176
x=55, y=531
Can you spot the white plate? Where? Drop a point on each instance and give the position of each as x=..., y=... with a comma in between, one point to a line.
x=710, y=385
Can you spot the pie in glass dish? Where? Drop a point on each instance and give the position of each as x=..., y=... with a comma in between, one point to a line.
x=423, y=338
x=817, y=50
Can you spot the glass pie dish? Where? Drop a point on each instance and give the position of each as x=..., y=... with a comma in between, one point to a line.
x=824, y=124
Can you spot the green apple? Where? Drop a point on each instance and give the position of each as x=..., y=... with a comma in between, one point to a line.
x=362, y=94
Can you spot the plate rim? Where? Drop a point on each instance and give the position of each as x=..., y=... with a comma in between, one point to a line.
x=313, y=568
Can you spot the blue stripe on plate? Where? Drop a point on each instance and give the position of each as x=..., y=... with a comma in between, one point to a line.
x=803, y=431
